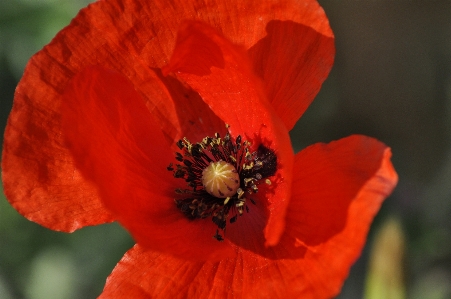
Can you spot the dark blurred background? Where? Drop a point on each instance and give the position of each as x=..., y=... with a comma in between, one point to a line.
x=391, y=80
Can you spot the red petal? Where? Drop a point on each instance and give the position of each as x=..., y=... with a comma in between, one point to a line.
x=220, y=72
x=38, y=174
x=343, y=186
x=329, y=178
x=339, y=188
x=117, y=145
x=294, y=59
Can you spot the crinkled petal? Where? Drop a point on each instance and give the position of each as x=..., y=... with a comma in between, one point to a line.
x=118, y=145
x=220, y=72
x=246, y=276
x=39, y=177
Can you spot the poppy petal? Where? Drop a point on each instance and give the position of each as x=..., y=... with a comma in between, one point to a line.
x=117, y=144
x=339, y=188
x=304, y=264
x=294, y=59
x=221, y=73
x=329, y=179
x=246, y=276
x=53, y=193
x=39, y=178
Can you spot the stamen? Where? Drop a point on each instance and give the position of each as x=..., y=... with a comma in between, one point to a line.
x=222, y=175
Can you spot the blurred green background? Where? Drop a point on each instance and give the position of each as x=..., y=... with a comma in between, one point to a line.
x=391, y=80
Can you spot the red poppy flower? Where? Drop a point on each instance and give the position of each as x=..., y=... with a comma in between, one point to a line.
x=131, y=88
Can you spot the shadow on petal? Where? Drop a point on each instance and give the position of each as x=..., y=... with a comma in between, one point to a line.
x=195, y=119
x=293, y=60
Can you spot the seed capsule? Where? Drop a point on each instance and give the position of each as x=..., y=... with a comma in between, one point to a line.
x=220, y=179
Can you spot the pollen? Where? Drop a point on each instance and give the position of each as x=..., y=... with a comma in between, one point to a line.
x=220, y=179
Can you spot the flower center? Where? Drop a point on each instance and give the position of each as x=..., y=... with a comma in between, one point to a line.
x=222, y=175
